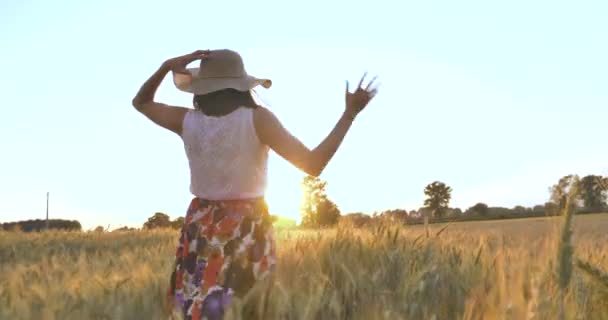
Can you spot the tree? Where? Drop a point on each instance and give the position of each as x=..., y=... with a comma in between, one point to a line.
x=158, y=220
x=316, y=208
x=395, y=215
x=480, y=208
x=177, y=223
x=456, y=212
x=519, y=210
x=424, y=212
x=438, y=197
x=328, y=213
x=551, y=209
x=40, y=225
x=123, y=229
x=592, y=192
x=356, y=219
x=560, y=191
x=538, y=209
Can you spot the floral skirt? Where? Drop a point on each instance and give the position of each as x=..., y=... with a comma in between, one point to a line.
x=224, y=248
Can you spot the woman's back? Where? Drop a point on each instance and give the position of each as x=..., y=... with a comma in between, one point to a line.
x=227, y=160
x=226, y=244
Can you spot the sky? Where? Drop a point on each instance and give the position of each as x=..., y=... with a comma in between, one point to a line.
x=496, y=99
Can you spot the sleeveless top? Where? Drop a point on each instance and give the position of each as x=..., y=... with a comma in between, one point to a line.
x=227, y=160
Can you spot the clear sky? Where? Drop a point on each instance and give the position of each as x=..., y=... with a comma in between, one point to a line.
x=496, y=99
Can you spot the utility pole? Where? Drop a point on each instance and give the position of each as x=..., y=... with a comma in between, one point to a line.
x=47, y=211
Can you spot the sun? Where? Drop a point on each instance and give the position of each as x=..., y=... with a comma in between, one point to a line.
x=283, y=196
x=284, y=202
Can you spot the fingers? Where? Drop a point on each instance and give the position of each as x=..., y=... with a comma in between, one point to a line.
x=199, y=52
x=373, y=93
x=361, y=81
x=196, y=55
x=373, y=90
x=369, y=85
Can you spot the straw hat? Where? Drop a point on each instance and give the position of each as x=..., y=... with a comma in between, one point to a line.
x=221, y=69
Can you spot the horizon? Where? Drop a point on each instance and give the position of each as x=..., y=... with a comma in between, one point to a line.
x=498, y=101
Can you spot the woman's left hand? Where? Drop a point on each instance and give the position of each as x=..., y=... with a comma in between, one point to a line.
x=178, y=64
x=358, y=100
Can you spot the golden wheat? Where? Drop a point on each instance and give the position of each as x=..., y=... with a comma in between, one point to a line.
x=475, y=270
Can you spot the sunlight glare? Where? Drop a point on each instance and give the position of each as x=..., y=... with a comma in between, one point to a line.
x=283, y=192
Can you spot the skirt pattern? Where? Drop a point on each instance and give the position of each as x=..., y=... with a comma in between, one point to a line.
x=224, y=248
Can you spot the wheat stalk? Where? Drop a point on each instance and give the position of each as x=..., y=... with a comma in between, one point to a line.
x=596, y=273
x=442, y=229
x=566, y=250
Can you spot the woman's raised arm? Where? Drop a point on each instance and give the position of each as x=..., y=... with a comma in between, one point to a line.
x=272, y=133
x=168, y=117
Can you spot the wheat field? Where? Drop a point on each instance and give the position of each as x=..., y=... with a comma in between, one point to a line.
x=512, y=269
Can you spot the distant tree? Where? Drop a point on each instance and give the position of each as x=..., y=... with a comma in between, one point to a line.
x=11, y=226
x=316, y=208
x=424, y=212
x=158, y=220
x=357, y=219
x=499, y=212
x=480, y=209
x=40, y=225
x=604, y=184
x=328, y=212
x=560, y=191
x=177, y=223
x=539, y=209
x=519, y=210
x=123, y=229
x=592, y=192
x=438, y=196
x=99, y=229
x=456, y=212
x=395, y=215
x=551, y=209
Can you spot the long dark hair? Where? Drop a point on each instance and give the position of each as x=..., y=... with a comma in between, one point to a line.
x=223, y=102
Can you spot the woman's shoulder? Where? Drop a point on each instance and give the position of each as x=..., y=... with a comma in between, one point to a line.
x=267, y=125
x=262, y=115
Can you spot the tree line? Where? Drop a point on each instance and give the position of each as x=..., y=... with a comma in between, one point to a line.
x=317, y=210
x=591, y=195
x=40, y=225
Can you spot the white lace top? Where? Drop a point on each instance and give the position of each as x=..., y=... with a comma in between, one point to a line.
x=227, y=160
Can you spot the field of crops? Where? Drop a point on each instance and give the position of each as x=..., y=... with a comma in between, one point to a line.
x=476, y=270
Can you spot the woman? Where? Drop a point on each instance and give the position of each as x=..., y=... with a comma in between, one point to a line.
x=226, y=242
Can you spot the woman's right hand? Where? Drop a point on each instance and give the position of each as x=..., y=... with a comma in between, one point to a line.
x=358, y=100
x=178, y=64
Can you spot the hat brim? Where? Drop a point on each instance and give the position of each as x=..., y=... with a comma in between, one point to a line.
x=191, y=83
